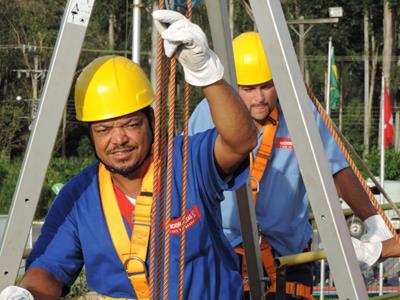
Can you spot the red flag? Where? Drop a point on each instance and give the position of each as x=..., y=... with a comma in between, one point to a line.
x=388, y=117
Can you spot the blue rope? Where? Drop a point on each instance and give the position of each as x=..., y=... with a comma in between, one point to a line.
x=167, y=5
x=184, y=5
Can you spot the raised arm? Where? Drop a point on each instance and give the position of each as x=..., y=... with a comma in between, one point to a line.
x=237, y=132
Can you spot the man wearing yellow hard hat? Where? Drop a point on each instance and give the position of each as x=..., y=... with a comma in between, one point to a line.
x=278, y=189
x=101, y=218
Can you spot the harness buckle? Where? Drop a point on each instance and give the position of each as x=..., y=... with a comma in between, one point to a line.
x=252, y=178
x=135, y=258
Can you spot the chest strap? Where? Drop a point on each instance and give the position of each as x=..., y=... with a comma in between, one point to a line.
x=259, y=165
x=131, y=251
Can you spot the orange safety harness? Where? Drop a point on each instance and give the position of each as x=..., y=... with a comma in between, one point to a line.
x=257, y=169
x=131, y=251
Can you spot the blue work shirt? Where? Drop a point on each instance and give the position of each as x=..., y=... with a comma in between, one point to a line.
x=282, y=202
x=75, y=232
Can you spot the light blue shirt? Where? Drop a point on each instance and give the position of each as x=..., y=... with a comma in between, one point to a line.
x=282, y=202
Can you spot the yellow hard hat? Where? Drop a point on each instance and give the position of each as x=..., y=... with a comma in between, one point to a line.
x=251, y=63
x=109, y=87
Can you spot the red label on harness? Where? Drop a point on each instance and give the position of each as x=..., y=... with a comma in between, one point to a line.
x=192, y=216
x=283, y=143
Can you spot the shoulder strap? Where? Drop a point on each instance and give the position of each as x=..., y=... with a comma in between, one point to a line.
x=258, y=166
x=132, y=252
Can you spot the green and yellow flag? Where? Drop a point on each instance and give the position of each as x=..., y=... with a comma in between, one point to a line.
x=334, y=93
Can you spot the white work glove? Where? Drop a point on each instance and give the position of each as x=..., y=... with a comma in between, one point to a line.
x=15, y=293
x=367, y=253
x=376, y=230
x=201, y=65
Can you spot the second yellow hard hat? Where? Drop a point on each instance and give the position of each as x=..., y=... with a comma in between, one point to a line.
x=251, y=63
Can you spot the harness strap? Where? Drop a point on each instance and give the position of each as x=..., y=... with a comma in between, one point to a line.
x=268, y=261
x=260, y=163
x=257, y=170
x=132, y=252
x=295, y=289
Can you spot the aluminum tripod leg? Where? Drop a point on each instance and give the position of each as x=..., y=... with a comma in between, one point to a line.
x=217, y=12
x=222, y=42
x=54, y=96
x=248, y=227
x=308, y=148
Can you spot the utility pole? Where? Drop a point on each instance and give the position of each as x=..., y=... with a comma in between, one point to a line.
x=366, y=85
x=111, y=31
x=302, y=32
x=154, y=37
x=36, y=75
x=328, y=78
x=396, y=111
x=136, y=6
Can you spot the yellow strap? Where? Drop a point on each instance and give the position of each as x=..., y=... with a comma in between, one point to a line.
x=260, y=163
x=132, y=252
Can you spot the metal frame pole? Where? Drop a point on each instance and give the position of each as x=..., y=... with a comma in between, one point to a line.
x=222, y=42
x=218, y=18
x=308, y=148
x=54, y=96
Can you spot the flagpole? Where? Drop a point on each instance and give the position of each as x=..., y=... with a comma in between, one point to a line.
x=382, y=171
x=328, y=83
x=382, y=141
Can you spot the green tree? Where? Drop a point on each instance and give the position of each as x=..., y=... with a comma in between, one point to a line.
x=392, y=163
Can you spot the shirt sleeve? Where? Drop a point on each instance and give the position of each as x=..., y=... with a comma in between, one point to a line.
x=200, y=120
x=335, y=156
x=58, y=249
x=205, y=169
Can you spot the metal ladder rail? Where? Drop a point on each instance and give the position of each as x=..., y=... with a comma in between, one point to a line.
x=308, y=148
x=222, y=43
x=41, y=142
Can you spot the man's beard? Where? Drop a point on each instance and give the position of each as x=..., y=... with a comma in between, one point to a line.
x=126, y=171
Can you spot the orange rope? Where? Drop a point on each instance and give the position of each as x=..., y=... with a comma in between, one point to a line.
x=186, y=105
x=171, y=131
x=335, y=135
x=163, y=142
x=163, y=145
x=156, y=218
